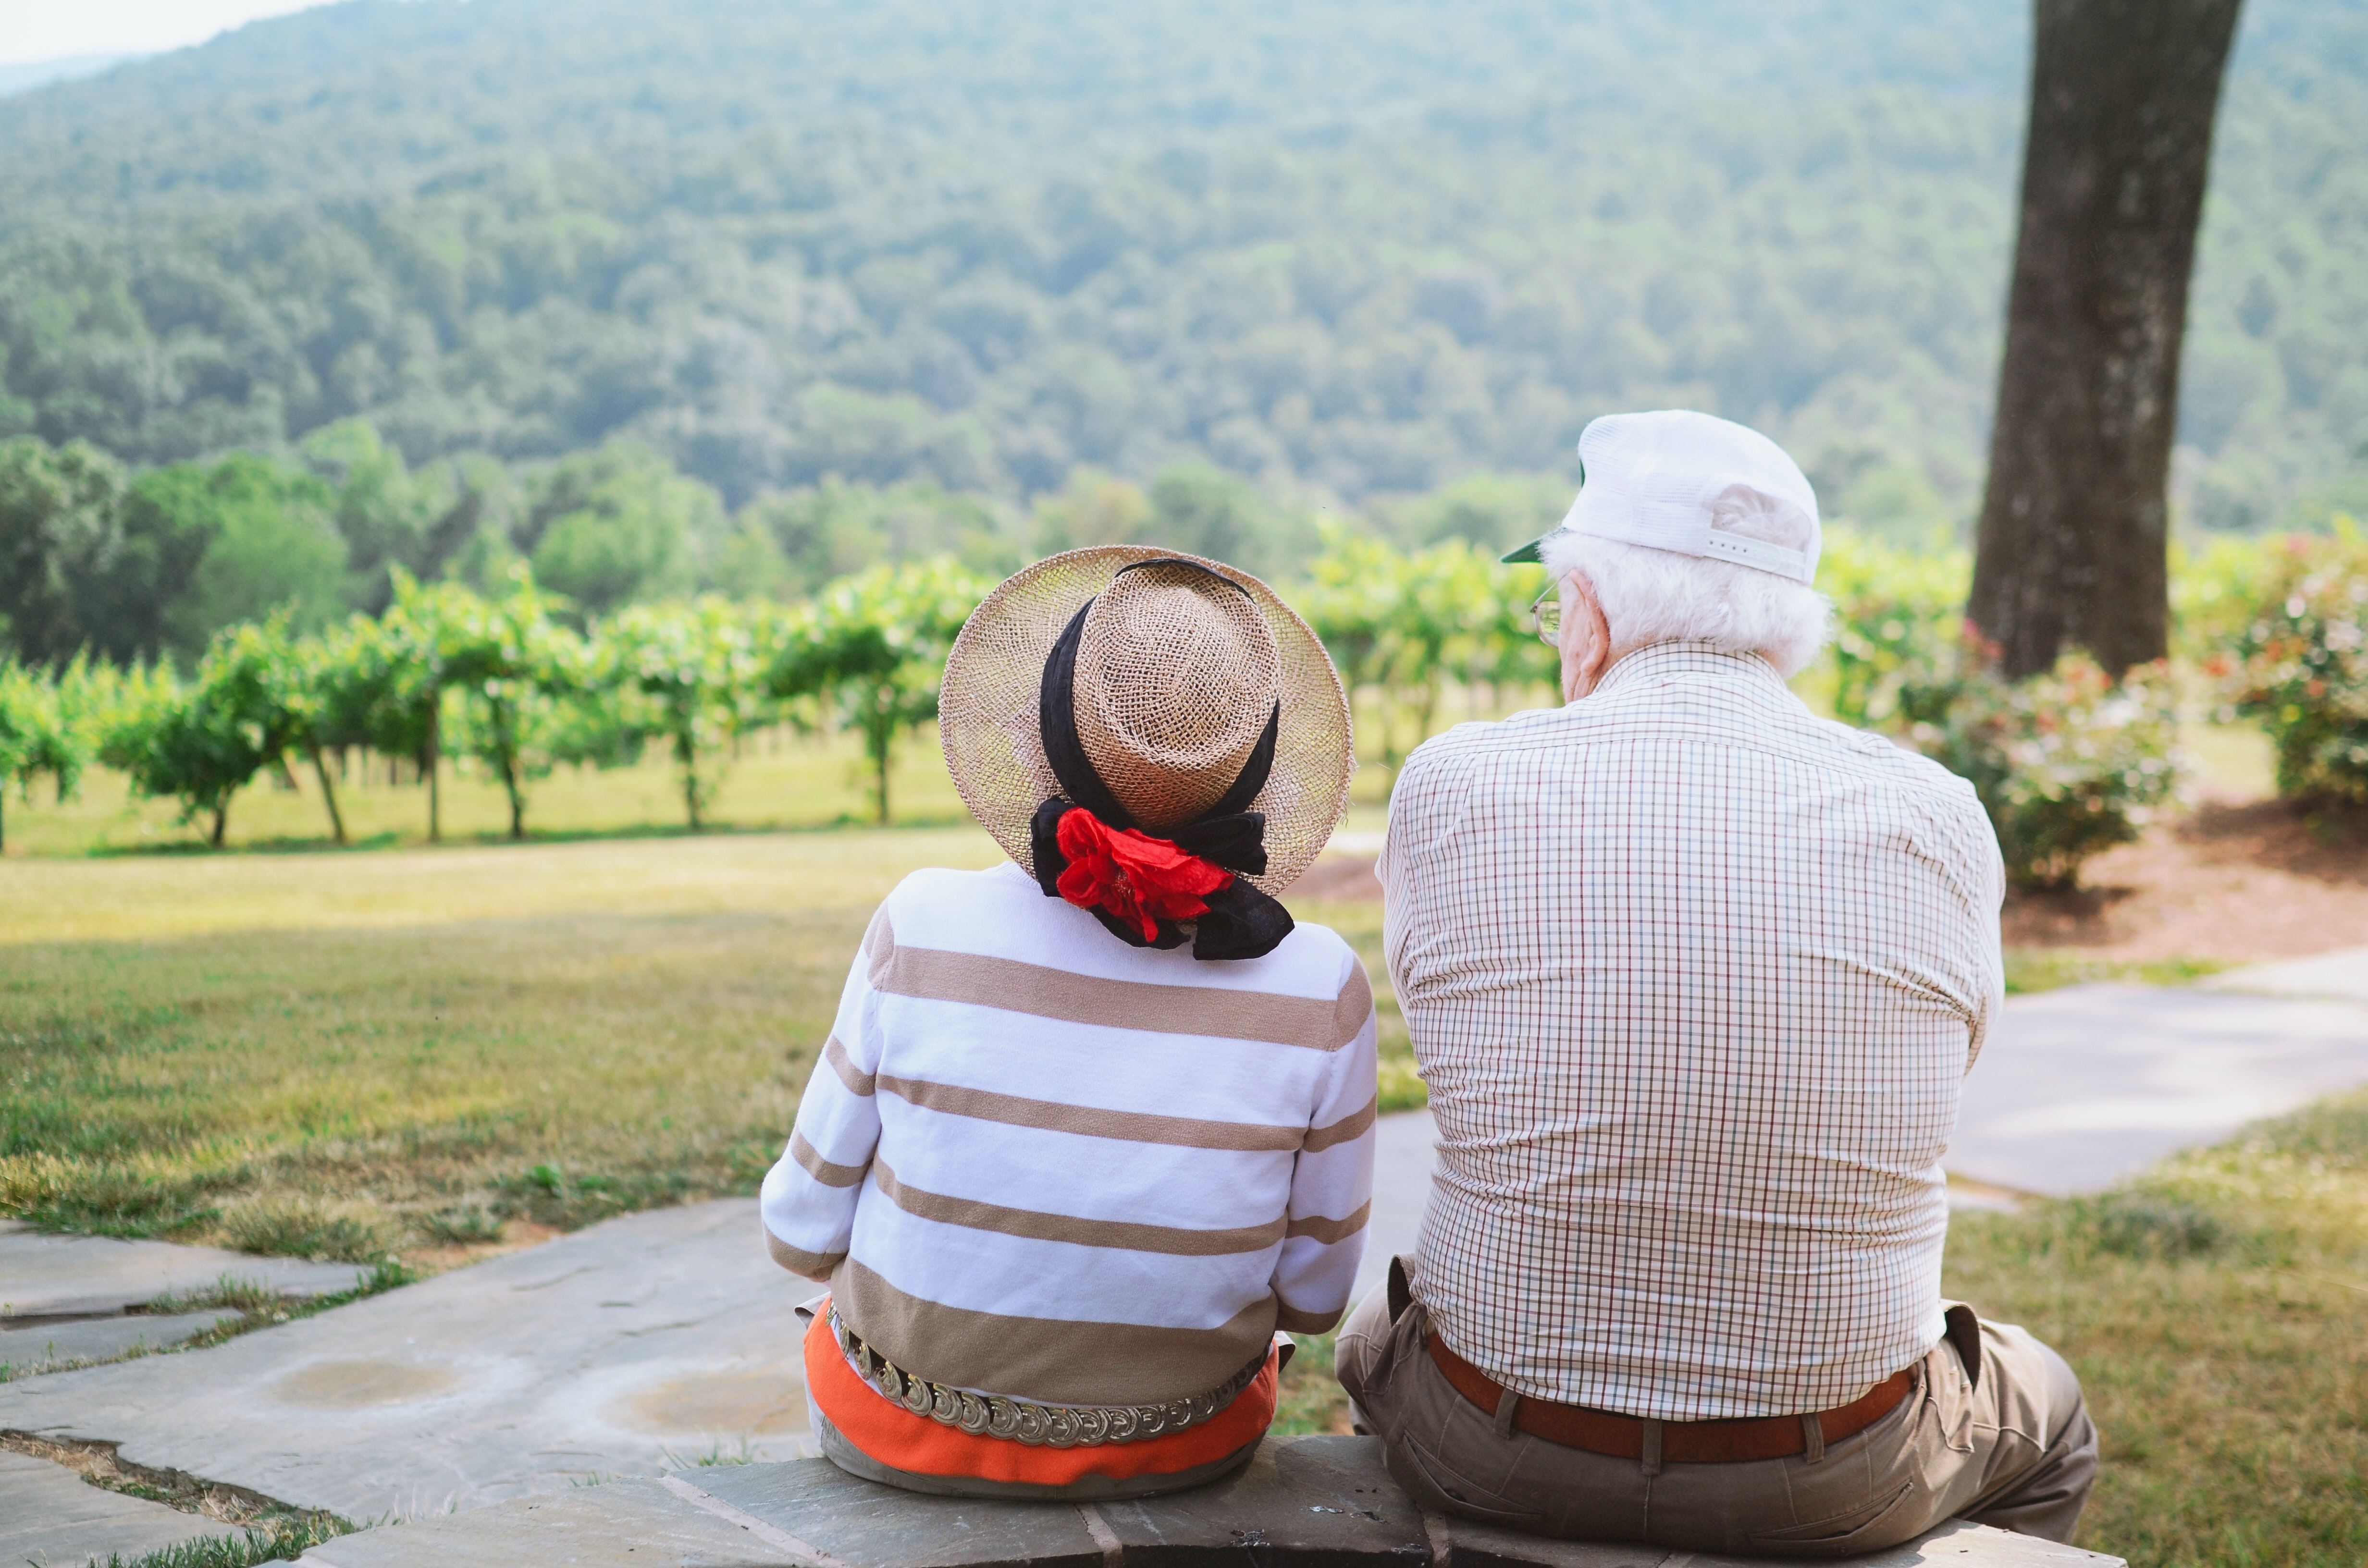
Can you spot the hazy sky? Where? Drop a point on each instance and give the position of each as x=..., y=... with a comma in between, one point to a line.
x=42, y=29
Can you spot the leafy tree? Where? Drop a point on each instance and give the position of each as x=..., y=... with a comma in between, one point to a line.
x=204, y=741
x=835, y=528
x=389, y=515
x=1093, y=508
x=608, y=528
x=270, y=545
x=38, y=735
x=511, y=662
x=878, y=640
x=59, y=544
x=703, y=670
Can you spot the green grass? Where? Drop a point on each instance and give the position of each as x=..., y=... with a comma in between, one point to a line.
x=780, y=781
x=2044, y=969
x=346, y=1055
x=280, y=1541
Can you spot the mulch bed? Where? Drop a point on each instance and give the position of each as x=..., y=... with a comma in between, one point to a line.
x=2235, y=881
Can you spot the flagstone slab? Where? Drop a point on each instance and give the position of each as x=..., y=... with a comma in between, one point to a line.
x=36, y=1345
x=47, y=1276
x=50, y=1518
x=650, y=1340
x=619, y=1524
x=2077, y=1088
x=1404, y=1143
x=2335, y=977
x=1302, y=1502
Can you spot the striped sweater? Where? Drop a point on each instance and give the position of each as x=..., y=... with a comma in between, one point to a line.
x=1037, y=1161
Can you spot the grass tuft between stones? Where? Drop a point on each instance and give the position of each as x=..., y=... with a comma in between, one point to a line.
x=282, y=1540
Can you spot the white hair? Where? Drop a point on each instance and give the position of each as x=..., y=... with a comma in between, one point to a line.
x=1658, y=596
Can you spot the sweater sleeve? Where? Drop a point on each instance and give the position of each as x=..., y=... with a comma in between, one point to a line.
x=1332, y=1184
x=809, y=1196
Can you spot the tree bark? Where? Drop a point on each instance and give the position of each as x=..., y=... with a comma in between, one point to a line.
x=222, y=823
x=2074, y=536
x=435, y=795
x=328, y=795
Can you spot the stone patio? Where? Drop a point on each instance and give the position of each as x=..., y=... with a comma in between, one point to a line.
x=49, y=1518
x=55, y=1342
x=652, y=1339
x=45, y=1275
x=1302, y=1503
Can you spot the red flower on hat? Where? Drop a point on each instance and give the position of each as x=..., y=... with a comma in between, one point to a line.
x=1139, y=878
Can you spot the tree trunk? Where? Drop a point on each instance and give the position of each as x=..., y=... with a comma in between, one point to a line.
x=222, y=822
x=328, y=795
x=687, y=754
x=4, y=814
x=2074, y=536
x=435, y=794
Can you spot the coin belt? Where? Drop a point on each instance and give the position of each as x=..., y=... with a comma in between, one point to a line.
x=1025, y=1421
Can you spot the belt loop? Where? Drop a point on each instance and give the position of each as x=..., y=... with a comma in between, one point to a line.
x=1508, y=1402
x=1652, y=1446
x=1812, y=1439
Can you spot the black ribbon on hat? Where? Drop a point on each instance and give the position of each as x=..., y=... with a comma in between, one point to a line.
x=1241, y=922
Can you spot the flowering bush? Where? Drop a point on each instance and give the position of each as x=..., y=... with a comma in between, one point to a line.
x=2068, y=764
x=1896, y=618
x=2300, y=665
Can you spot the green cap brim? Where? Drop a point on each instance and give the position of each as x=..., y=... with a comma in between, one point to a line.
x=1525, y=554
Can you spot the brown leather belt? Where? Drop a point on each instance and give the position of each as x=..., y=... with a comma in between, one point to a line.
x=1682, y=1442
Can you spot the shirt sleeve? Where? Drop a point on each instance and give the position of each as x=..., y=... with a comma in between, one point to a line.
x=809, y=1196
x=1332, y=1184
x=1989, y=955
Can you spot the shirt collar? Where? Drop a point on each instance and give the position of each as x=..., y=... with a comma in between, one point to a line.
x=1663, y=664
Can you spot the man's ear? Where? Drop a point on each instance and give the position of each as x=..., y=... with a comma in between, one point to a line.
x=1583, y=664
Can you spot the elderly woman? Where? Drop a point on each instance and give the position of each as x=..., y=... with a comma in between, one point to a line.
x=1092, y=1126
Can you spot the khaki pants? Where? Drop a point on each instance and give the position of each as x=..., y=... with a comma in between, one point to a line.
x=2012, y=1447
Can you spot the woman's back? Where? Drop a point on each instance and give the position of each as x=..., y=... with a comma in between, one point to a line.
x=1041, y=1164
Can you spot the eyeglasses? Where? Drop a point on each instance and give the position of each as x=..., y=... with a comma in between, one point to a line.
x=1545, y=613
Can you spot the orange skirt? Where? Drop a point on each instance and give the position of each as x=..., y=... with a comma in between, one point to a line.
x=884, y=1430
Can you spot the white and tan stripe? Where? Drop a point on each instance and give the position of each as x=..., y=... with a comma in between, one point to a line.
x=1018, y=1120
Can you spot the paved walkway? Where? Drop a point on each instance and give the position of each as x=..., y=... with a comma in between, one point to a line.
x=604, y=1352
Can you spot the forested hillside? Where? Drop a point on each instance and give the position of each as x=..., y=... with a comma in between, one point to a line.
x=1354, y=249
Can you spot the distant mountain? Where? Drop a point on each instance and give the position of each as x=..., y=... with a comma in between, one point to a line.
x=1353, y=247
x=34, y=73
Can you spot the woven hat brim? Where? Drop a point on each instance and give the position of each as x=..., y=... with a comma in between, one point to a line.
x=988, y=719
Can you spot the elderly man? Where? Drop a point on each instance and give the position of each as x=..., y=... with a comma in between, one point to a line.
x=1694, y=977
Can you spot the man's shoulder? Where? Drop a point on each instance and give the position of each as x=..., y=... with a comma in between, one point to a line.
x=1481, y=737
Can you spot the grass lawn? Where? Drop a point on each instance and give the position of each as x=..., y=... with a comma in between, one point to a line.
x=354, y=1054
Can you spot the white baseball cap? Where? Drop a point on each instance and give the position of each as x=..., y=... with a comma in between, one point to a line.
x=1658, y=479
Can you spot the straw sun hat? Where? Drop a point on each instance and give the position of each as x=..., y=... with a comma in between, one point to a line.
x=1153, y=736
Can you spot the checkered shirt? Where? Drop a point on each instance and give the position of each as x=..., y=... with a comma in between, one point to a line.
x=1694, y=977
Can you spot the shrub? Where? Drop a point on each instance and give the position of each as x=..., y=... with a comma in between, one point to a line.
x=1897, y=615
x=2300, y=664
x=2068, y=764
